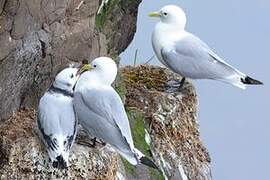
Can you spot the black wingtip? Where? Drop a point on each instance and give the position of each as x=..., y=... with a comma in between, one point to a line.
x=60, y=163
x=148, y=162
x=249, y=80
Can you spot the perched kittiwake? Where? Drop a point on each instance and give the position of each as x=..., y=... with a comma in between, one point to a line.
x=56, y=118
x=187, y=55
x=101, y=112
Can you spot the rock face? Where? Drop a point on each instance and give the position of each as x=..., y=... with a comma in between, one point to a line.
x=40, y=37
x=165, y=122
x=164, y=127
x=23, y=156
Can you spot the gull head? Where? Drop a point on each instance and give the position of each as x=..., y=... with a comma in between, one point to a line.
x=66, y=79
x=104, y=69
x=172, y=15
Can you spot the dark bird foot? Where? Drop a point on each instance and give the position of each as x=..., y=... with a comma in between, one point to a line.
x=98, y=141
x=174, y=85
x=93, y=142
x=87, y=143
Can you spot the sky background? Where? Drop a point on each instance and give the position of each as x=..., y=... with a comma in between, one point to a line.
x=234, y=124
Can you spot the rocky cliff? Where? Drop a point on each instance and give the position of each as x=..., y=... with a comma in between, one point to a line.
x=165, y=122
x=23, y=156
x=40, y=37
x=164, y=127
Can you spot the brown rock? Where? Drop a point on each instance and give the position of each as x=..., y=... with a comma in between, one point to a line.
x=23, y=155
x=164, y=127
x=40, y=37
x=170, y=120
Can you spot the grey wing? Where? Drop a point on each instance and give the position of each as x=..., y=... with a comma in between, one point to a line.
x=68, y=123
x=101, y=112
x=192, y=58
x=44, y=120
x=56, y=118
x=46, y=137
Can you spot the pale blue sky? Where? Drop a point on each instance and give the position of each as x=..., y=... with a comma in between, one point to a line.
x=234, y=124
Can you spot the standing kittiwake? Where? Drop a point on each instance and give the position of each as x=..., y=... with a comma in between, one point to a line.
x=56, y=118
x=101, y=112
x=187, y=55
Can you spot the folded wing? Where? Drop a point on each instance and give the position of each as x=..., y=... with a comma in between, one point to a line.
x=57, y=125
x=192, y=58
x=102, y=114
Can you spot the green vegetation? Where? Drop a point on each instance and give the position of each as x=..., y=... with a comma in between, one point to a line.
x=138, y=130
x=138, y=133
x=130, y=169
x=136, y=118
x=120, y=86
x=156, y=175
x=105, y=13
x=153, y=79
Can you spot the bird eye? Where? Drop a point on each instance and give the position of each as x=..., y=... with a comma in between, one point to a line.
x=72, y=75
x=165, y=14
x=94, y=65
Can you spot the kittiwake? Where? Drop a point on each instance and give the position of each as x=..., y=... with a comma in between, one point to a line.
x=56, y=118
x=187, y=55
x=101, y=112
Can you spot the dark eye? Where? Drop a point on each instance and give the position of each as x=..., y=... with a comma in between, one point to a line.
x=94, y=65
x=165, y=14
x=72, y=75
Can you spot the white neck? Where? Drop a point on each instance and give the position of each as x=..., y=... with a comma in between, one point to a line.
x=165, y=34
x=91, y=79
x=168, y=29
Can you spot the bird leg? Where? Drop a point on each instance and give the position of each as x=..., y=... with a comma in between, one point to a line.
x=99, y=141
x=86, y=143
x=182, y=82
x=95, y=141
x=174, y=85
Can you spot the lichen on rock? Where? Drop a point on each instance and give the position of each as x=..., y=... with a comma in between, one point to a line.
x=121, y=17
x=170, y=120
x=40, y=37
x=23, y=155
x=164, y=127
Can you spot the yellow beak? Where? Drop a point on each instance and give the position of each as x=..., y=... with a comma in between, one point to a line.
x=154, y=14
x=85, y=67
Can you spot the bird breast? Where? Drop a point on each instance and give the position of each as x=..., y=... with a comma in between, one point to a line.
x=164, y=36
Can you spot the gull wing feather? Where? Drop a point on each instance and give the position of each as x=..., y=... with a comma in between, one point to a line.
x=57, y=123
x=102, y=114
x=192, y=58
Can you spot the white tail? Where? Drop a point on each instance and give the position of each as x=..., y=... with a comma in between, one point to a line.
x=235, y=80
x=59, y=155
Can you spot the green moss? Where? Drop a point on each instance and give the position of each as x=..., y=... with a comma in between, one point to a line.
x=115, y=57
x=130, y=169
x=137, y=123
x=153, y=79
x=105, y=13
x=138, y=130
x=120, y=86
x=138, y=134
x=156, y=175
